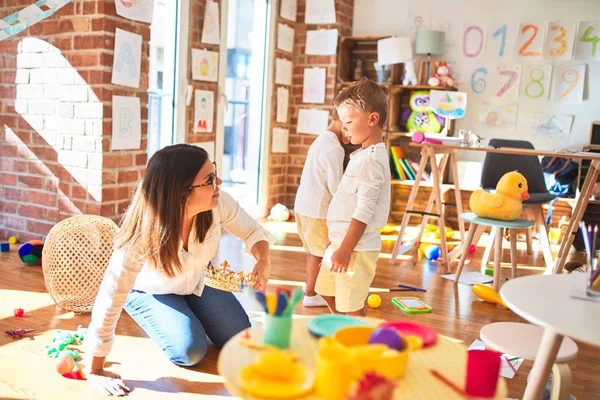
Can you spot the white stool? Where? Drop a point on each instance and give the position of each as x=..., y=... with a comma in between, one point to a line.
x=523, y=340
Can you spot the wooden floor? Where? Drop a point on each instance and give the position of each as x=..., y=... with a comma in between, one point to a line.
x=26, y=372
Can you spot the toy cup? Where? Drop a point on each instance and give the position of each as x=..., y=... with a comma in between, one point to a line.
x=483, y=368
x=278, y=330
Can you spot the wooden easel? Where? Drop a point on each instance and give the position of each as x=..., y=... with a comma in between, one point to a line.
x=437, y=172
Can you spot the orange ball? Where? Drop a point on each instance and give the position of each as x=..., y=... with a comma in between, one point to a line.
x=64, y=363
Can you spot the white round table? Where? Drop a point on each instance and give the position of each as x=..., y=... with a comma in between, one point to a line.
x=545, y=300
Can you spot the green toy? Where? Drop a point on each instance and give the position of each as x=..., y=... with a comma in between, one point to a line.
x=63, y=339
x=420, y=118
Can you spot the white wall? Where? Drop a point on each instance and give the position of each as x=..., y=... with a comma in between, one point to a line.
x=396, y=17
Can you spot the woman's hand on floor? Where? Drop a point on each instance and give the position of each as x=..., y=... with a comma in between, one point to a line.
x=261, y=274
x=108, y=383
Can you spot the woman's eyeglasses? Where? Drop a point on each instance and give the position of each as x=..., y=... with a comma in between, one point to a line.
x=212, y=181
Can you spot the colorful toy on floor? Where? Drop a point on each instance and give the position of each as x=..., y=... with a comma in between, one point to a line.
x=64, y=363
x=13, y=240
x=18, y=333
x=433, y=252
x=506, y=203
x=31, y=252
x=419, y=118
x=487, y=294
x=276, y=374
x=63, y=339
x=19, y=312
x=4, y=247
x=433, y=231
x=388, y=229
x=374, y=301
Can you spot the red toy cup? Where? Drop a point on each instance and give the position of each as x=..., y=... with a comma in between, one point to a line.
x=483, y=368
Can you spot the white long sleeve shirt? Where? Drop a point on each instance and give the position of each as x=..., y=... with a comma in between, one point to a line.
x=321, y=175
x=128, y=270
x=364, y=194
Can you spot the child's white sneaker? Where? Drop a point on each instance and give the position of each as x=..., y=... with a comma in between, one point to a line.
x=304, y=288
x=313, y=301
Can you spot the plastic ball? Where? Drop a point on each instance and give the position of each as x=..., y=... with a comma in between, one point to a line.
x=13, y=240
x=374, y=301
x=388, y=337
x=433, y=252
x=31, y=252
x=64, y=364
x=279, y=212
x=472, y=249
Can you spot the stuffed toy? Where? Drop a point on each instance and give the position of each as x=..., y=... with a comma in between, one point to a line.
x=442, y=76
x=506, y=203
x=419, y=118
x=410, y=76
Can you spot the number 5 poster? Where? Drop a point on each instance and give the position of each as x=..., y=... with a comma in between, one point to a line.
x=568, y=84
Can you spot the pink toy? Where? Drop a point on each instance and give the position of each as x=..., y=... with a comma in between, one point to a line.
x=419, y=137
x=442, y=76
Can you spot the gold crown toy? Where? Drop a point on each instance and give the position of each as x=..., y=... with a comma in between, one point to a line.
x=224, y=278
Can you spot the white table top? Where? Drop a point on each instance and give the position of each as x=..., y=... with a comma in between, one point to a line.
x=545, y=300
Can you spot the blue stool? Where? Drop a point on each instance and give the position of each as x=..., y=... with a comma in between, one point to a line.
x=498, y=226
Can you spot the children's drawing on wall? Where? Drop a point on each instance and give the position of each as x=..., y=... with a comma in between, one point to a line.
x=508, y=81
x=126, y=123
x=283, y=95
x=530, y=41
x=210, y=29
x=283, y=71
x=137, y=10
x=452, y=105
x=205, y=65
x=552, y=125
x=419, y=117
x=18, y=21
x=280, y=140
x=314, y=85
x=288, y=9
x=204, y=106
x=312, y=121
x=559, y=40
x=417, y=19
x=569, y=83
x=493, y=116
x=127, y=59
x=536, y=81
x=321, y=42
x=320, y=12
x=285, y=38
x=474, y=40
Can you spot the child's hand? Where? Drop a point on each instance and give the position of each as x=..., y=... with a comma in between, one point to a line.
x=340, y=259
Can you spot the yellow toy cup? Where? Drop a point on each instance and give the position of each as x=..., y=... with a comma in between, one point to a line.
x=334, y=367
x=278, y=330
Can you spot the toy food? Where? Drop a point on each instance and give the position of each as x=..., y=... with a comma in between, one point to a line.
x=505, y=204
x=276, y=374
x=487, y=294
x=64, y=363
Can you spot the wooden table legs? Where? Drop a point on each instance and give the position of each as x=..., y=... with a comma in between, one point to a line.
x=542, y=365
x=578, y=211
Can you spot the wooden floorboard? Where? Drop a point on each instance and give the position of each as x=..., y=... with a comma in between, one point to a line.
x=26, y=372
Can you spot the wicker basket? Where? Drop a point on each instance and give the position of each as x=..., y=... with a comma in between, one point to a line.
x=75, y=256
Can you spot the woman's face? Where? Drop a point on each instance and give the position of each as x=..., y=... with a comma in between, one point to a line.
x=204, y=191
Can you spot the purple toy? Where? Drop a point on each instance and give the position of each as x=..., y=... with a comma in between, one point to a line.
x=389, y=337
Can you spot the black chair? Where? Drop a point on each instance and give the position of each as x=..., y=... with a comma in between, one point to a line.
x=496, y=165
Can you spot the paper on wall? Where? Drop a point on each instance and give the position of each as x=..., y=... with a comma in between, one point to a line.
x=205, y=65
x=451, y=105
x=560, y=40
x=288, y=9
x=126, y=123
x=587, y=41
x=537, y=80
x=321, y=42
x=204, y=106
x=492, y=116
x=568, y=84
x=394, y=50
x=280, y=140
x=209, y=147
x=312, y=121
x=285, y=38
x=320, y=12
x=552, y=125
x=282, y=105
x=137, y=10
x=313, y=90
x=18, y=21
x=127, y=59
x=283, y=71
x=210, y=28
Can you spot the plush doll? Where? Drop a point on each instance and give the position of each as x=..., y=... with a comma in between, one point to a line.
x=442, y=76
x=506, y=203
x=419, y=118
x=410, y=76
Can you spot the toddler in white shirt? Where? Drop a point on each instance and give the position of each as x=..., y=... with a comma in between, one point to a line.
x=321, y=175
x=360, y=206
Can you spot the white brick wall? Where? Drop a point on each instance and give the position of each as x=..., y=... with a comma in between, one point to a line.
x=89, y=110
x=76, y=93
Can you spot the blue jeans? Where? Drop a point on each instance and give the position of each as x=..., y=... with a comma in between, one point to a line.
x=179, y=324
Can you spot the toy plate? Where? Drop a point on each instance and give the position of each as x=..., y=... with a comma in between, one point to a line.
x=427, y=334
x=327, y=325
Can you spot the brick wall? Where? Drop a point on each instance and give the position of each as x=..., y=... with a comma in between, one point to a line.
x=299, y=143
x=55, y=127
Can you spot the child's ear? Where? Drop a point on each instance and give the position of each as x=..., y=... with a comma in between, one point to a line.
x=373, y=118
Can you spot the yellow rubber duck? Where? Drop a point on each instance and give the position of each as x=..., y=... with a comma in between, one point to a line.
x=505, y=204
